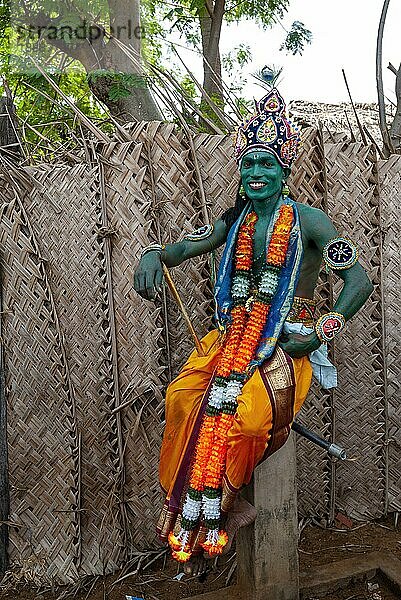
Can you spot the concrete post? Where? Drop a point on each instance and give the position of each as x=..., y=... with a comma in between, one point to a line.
x=267, y=550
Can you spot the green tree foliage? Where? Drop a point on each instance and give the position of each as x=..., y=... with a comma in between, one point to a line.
x=90, y=35
x=72, y=41
x=296, y=38
x=45, y=120
x=200, y=22
x=265, y=13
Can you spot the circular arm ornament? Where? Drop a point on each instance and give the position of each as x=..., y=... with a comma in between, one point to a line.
x=329, y=325
x=199, y=234
x=340, y=253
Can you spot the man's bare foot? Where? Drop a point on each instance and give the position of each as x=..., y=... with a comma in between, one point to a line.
x=241, y=515
x=196, y=565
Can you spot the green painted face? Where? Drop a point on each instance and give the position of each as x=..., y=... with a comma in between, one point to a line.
x=262, y=175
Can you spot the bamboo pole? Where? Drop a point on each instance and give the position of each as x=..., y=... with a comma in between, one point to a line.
x=4, y=488
x=177, y=298
x=363, y=136
x=120, y=450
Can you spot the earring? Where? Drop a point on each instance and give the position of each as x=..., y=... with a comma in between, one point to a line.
x=242, y=192
x=286, y=189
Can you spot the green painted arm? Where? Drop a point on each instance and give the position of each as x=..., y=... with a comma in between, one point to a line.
x=357, y=285
x=149, y=273
x=318, y=230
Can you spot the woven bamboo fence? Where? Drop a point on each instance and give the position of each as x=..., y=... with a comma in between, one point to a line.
x=87, y=361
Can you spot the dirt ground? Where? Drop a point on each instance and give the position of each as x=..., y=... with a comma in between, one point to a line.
x=162, y=580
x=319, y=546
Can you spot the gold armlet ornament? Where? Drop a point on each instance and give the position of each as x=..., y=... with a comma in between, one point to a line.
x=329, y=325
x=340, y=253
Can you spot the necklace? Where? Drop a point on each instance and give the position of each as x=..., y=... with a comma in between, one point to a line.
x=203, y=497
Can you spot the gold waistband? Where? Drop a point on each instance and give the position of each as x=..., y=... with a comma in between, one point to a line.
x=303, y=310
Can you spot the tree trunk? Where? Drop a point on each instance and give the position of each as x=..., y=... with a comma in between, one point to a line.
x=210, y=26
x=9, y=144
x=138, y=104
x=106, y=63
x=125, y=24
x=395, y=129
x=387, y=145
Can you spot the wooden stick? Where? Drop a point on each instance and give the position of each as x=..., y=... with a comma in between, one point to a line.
x=98, y=133
x=363, y=136
x=177, y=298
x=387, y=144
x=4, y=484
x=372, y=139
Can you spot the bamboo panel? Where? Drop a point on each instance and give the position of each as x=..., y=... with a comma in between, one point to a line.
x=69, y=298
x=307, y=184
x=306, y=181
x=140, y=336
x=360, y=397
x=390, y=186
x=219, y=170
x=42, y=428
x=176, y=194
x=70, y=232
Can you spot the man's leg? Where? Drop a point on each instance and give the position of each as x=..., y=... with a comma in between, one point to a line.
x=249, y=437
x=183, y=402
x=183, y=399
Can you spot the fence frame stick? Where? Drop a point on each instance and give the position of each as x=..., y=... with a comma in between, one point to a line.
x=4, y=487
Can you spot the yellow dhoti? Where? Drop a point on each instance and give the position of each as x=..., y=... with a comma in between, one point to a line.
x=267, y=406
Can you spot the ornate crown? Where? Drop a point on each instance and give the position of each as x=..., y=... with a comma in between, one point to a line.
x=269, y=129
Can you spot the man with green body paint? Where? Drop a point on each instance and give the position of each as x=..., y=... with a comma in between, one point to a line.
x=316, y=227
x=264, y=167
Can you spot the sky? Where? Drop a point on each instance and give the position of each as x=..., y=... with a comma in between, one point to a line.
x=344, y=37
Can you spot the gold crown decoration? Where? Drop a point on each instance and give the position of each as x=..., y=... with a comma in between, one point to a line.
x=269, y=129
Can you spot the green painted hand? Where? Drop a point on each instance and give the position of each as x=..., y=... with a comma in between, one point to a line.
x=297, y=345
x=149, y=276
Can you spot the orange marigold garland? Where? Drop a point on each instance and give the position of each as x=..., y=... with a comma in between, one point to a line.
x=203, y=498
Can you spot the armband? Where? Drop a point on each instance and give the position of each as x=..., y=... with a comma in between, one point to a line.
x=199, y=234
x=329, y=325
x=340, y=253
x=153, y=248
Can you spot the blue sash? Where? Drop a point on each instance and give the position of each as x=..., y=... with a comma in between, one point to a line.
x=282, y=300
